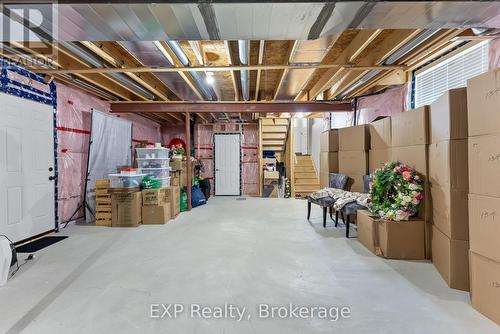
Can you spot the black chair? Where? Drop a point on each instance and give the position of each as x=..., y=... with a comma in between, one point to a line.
x=335, y=180
x=352, y=208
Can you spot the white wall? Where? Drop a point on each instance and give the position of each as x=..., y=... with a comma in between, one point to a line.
x=314, y=135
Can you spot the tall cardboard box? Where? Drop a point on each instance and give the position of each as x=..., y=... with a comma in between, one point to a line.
x=380, y=134
x=378, y=157
x=414, y=156
x=366, y=229
x=173, y=197
x=324, y=180
x=484, y=226
x=353, y=162
x=126, y=209
x=448, y=163
x=410, y=127
x=154, y=196
x=483, y=101
x=329, y=162
x=354, y=138
x=448, y=116
x=451, y=259
x=402, y=240
x=355, y=183
x=155, y=214
x=450, y=211
x=329, y=141
x=484, y=165
x=485, y=286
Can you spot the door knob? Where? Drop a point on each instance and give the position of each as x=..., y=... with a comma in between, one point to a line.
x=51, y=178
x=51, y=169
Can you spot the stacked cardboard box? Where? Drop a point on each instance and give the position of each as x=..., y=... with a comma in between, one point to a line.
x=483, y=101
x=390, y=239
x=156, y=208
x=126, y=207
x=410, y=139
x=271, y=183
x=380, y=143
x=353, y=154
x=329, y=156
x=448, y=178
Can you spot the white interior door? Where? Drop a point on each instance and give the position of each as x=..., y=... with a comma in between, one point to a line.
x=227, y=164
x=26, y=155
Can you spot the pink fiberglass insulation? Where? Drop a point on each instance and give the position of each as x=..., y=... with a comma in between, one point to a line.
x=73, y=131
x=389, y=103
x=249, y=157
x=169, y=132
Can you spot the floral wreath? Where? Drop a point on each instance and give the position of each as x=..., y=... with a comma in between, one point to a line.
x=396, y=192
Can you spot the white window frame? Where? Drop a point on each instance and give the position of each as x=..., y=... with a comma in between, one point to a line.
x=450, y=72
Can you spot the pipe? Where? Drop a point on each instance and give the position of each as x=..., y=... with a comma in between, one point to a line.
x=96, y=62
x=177, y=49
x=244, y=75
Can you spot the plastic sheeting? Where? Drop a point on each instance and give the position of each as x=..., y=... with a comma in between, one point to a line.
x=494, y=54
x=389, y=103
x=73, y=125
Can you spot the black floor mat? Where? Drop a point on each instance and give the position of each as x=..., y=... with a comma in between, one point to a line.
x=38, y=244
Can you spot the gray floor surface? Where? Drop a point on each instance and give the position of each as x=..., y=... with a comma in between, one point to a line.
x=244, y=253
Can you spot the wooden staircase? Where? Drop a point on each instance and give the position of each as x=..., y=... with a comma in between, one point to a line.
x=273, y=134
x=305, y=176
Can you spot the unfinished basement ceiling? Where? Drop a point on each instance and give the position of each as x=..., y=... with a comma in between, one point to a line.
x=262, y=21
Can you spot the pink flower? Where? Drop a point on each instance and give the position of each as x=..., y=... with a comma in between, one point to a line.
x=406, y=175
x=419, y=196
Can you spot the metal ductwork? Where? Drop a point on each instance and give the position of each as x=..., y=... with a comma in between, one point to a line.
x=208, y=92
x=96, y=62
x=243, y=49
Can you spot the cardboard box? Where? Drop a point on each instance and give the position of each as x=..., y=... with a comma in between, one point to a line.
x=155, y=214
x=380, y=134
x=483, y=104
x=484, y=226
x=402, y=240
x=366, y=229
x=413, y=156
x=177, y=164
x=484, y=165
x=354, y=138
x=329, y=141
x=328, y=162
x=448, y=164
x=353, y=162
x=271, y=175
x=378, y=157
x=270, y=191
x=485, y=286
x=126, y=209
x=355, y=183
x=410, y=128
x=154, y=196
x=451, y=259
x=175, y=178
x=173, y=196
x=323, y=180
x=448, y=116
x=450, y=211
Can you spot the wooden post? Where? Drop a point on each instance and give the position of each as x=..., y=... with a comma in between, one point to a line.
x=260, y=157
x=188, y=159
x=292, y=158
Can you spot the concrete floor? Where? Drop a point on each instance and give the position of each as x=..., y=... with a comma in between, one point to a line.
x=240, y=252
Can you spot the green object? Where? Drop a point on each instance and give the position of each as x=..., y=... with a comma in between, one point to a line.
x=149, y=182
x=184, y=201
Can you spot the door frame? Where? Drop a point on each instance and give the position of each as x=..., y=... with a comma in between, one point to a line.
x=19, y=89
x=241, y=165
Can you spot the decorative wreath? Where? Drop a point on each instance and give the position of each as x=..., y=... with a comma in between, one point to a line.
x=396, y=192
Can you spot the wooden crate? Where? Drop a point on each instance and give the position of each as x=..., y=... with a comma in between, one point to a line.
x=103, y=203
x=102, y=184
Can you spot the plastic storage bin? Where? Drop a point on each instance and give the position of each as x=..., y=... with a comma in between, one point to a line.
x=125, y=181
x=157, y=173
x=153, y=162
x=165, y=182
x=152, y=153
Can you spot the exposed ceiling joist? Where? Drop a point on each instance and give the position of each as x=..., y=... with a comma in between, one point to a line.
x=289, y=54
x=259, y=72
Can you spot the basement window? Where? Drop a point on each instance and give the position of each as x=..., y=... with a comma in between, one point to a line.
x=432, y=81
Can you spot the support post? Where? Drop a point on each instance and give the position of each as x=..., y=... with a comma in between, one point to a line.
x=188, y=160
